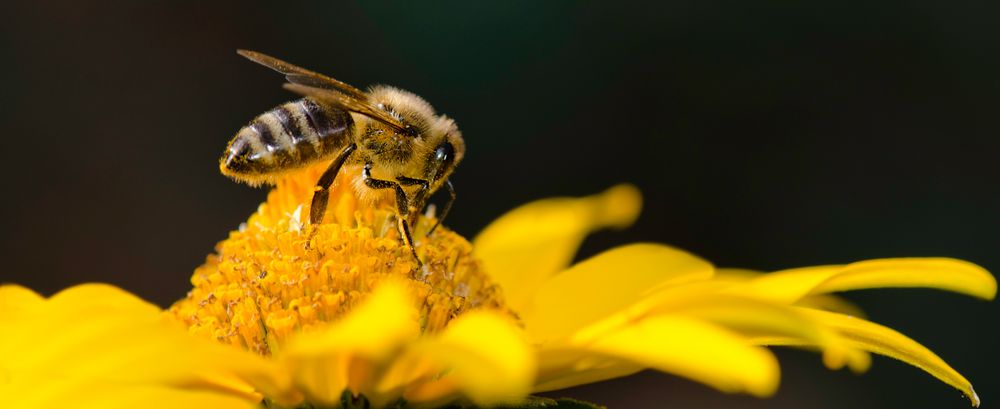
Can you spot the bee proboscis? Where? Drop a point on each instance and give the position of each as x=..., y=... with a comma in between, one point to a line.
x=394, y=136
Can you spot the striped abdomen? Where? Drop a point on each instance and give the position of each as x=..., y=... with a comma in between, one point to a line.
x=293, y=135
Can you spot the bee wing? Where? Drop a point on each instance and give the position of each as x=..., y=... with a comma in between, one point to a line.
x=346, y=102
x=298, y=75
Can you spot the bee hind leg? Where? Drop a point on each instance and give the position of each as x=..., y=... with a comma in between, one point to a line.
x=321, y=195
x=402, y=207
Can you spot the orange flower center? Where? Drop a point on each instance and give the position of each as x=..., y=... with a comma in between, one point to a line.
x=277, y=275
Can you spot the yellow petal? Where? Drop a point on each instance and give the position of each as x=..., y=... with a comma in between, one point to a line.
x=754, y=318
x=832, y=303
x=605, y=284
x=532, y=242
x=562, y=365
x=747, y=316
x=694, y=349
x=736, y=274
x=16, y=304
x=483, y=356
x=102, y=336
x=350, y=353
x=789, y=286
x=564, y=377
x=824, y=302
x=885, y=341
x=15, y=297
x=103, y=296
x=86, y=394
x=859, y=361
x=941, y=273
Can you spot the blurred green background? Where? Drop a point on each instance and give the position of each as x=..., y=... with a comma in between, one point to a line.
x=763, y=134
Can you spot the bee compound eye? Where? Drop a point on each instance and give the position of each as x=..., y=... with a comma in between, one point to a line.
x=444, y=156
x=444, y=151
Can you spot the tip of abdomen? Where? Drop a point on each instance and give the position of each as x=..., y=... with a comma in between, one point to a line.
x=238, y=162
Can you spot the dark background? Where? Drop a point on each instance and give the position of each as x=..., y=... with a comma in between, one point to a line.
x=764, y=134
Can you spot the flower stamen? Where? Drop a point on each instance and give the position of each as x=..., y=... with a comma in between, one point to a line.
x=277, y=275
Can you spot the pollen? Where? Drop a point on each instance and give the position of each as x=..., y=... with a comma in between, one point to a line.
x=277, y=274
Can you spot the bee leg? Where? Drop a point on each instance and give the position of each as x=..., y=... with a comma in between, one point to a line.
x=322, y=191
x=420, y=199
x=402, y=207
x=447, y=206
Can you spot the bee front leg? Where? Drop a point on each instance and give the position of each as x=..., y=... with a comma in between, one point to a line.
x=418, y=201
x=402, y=207
x=322, y=191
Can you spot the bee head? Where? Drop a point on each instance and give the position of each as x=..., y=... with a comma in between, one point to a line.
x=449, y=148
x=440, y=140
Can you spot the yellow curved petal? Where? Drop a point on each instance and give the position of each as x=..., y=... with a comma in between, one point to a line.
x=885, y=341
x=351, y=353
x=100, y=335
x=754, y=318
x=749, y=317
x=832, y=303
x=859, y=361
x=483, y=357
x=565, y=366
x=826, y=302
x=736, y=274
x=15, y=297
x=97, y=295
x=942, y=273
x=566, y=378
x=16, y=303
x=532, y=242
x=605, y=284
x=696, y=350
x=789, y=286
x=45, y=394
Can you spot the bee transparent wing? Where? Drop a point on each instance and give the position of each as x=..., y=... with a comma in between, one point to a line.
x=346, y=102
x=298, y=75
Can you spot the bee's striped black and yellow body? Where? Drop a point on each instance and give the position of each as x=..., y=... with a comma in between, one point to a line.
x=291, y=136
x=403, y=148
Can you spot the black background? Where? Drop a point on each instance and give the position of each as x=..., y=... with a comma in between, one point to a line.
x=764, y=134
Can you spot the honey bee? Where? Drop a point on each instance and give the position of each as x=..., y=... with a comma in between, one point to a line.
x=396, y=139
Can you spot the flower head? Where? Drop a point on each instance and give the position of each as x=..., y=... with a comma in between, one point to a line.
x=339, y=312
x=277, y=276
x=349, y=295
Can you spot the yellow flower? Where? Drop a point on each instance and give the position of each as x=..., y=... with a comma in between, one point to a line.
x=339, y=314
